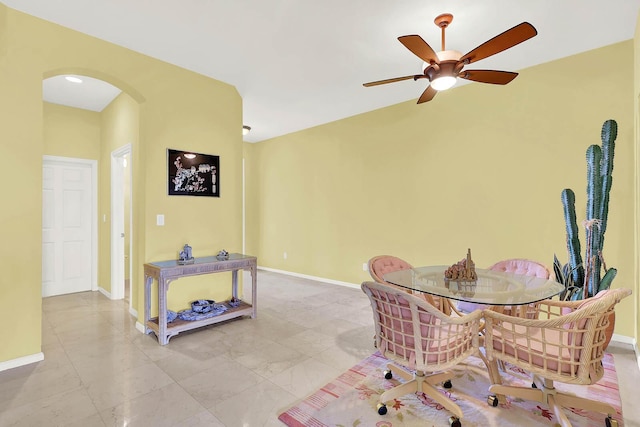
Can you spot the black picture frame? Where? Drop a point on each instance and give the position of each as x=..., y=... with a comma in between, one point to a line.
x=193, y=174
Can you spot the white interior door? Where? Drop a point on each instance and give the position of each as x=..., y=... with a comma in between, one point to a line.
x=66, y=227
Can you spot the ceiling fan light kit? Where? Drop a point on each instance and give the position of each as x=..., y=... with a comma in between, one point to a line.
x=443, y=68
x=443, y=82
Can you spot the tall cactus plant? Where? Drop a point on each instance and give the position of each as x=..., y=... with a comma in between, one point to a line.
x=587, y=276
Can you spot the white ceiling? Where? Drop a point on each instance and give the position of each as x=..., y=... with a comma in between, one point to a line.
x=301, y=63
x=91, y=94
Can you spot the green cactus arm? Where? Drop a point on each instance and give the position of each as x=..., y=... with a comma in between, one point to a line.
x=608, y=277
x=593, y=223
x=608, y=135
x=594, y=181
x=609, y=130
x=568, y=198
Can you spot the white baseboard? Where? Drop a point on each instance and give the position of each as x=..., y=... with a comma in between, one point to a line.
x=21, y=361
x=140, y=327
x=133, y=312
x=636, y=350
x=623, y=339
x=306, y=276
x=104, y=292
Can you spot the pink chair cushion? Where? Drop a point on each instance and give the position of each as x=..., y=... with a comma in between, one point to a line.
x=582, y=322
x=523, y=267
x=379, y=266
x=532, y=348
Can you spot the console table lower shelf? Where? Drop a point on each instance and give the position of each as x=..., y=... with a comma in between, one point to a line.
x=179, y=325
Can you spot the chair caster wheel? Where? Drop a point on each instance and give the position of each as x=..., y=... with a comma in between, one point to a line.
x=388, y=375
x=533, y=385
x=382, y=409
x=454, y=422
x=492, y=401
x=447, y=384
x=610, y=422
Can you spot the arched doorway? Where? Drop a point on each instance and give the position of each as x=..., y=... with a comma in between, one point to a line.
x=105, y=106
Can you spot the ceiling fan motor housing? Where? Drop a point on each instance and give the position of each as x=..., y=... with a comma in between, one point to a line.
x=448, y=63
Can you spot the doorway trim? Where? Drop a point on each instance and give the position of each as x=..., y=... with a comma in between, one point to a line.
x=93, y=166
x=117, y=224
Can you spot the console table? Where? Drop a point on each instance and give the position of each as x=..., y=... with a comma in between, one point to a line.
x=167, y=271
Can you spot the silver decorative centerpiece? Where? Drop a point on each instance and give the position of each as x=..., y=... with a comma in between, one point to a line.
x=186, y=255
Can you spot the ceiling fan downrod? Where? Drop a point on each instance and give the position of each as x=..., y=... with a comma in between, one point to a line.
x=443, y=21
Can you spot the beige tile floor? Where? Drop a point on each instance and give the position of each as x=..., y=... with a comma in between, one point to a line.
x=100, y=371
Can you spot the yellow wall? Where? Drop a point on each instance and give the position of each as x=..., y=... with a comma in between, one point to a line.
x=209, y=124
x=21, y=224
x=177, y=109
x=120, y=126
x=71, y=132
x=480, y=167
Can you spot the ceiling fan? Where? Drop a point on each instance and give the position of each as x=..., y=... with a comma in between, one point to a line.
x=444, y=67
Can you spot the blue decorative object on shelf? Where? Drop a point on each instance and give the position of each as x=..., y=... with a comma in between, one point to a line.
x=191, y=315
x=171, y=316
x=202, y=305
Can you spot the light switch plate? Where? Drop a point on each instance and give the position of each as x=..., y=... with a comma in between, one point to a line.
x=160, y=219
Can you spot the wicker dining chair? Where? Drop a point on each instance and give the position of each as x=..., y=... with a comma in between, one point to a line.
x=383, y=264
x=414, y=334
x=556, y=346
x=524, y=267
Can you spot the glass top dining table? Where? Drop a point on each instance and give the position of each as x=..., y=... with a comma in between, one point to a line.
x=491, y=288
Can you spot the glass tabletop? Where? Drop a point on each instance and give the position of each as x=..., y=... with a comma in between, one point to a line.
x=491, y=288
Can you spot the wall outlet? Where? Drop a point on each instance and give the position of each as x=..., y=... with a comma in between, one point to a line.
x=365, y=266
x=284, y=255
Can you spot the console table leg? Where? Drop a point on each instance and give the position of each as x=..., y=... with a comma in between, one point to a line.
x=254, y=290
x=148, y=280
x=234, y=283
x=162, y=311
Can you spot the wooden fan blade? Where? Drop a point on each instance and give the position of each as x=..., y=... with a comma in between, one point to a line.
x=504, y=41
x=393, y=80
x=489, y=76
x=427, y=95
x=420, y=48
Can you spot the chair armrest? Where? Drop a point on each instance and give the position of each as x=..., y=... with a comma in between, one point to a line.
x=555, y=319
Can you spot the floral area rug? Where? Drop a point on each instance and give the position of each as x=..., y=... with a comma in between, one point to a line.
x=350, y=400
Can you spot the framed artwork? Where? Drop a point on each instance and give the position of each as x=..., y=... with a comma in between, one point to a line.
x=193, y=174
